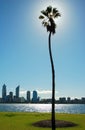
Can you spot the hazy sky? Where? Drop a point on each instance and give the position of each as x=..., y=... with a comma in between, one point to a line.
x=24, y=57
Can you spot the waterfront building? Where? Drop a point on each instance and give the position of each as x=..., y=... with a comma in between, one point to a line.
x=14, y=98
x=83, y=100
x=22, y=100
x=28, y=96
x=7, y=98
x=35, y=97
x=0, y=100
x=17, y=91
x=10, y=96
x=68, y=99
x=4, y=93
x=62, y=99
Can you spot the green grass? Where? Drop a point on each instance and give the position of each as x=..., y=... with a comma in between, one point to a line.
x=23, y=120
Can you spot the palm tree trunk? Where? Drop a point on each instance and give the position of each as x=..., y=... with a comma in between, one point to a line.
x=53, y=83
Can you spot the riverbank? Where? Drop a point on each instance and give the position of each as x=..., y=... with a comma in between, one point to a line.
x=24, y=120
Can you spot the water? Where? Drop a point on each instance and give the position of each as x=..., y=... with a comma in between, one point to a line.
x=59, y=108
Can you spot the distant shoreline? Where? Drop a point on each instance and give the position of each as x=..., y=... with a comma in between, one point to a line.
x=37, y=103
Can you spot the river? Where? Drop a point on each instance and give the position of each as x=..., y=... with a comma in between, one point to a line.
x=59, y=108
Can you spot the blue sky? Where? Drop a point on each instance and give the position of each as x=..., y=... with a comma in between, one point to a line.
x=24, y=57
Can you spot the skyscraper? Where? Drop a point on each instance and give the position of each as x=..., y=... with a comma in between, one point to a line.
x=17, y=91
x=11, y=96
x=4, y=92
x=28, y=96
x=35, y=98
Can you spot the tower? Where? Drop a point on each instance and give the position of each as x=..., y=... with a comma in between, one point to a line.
x=35, y=98
x=4, y=92
x=11, y=96
x=17, y=91
x=28, y=96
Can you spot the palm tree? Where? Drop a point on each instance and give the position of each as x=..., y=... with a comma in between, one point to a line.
x=48, y=17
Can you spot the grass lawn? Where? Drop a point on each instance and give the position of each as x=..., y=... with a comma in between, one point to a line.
x=24, y=120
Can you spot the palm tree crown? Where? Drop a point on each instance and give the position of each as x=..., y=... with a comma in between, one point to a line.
x=48, y=18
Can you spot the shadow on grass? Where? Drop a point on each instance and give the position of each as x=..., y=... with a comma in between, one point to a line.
x=58, y=123
x=10, y=115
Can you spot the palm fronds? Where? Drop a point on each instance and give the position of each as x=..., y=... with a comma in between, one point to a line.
x=50, y=13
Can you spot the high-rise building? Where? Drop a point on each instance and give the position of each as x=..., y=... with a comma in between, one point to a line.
x=28, y=96
x=17, y=91
x=62, y=99
x=68, y=99
x=11, y=96
x=35, y=96
x=4, y=92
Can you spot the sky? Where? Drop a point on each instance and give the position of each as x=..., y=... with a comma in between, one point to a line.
x=24, y=56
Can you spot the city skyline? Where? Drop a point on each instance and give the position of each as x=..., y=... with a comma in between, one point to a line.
x=34, y=98
x=11, y=97
x=28, y=95
x=24, y=57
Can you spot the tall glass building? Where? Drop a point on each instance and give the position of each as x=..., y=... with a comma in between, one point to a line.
x=4, y=92
x=28, y=96
x=35, y=96
x=17, y=91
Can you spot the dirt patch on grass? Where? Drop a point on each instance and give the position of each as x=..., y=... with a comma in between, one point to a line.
x=59, y=123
